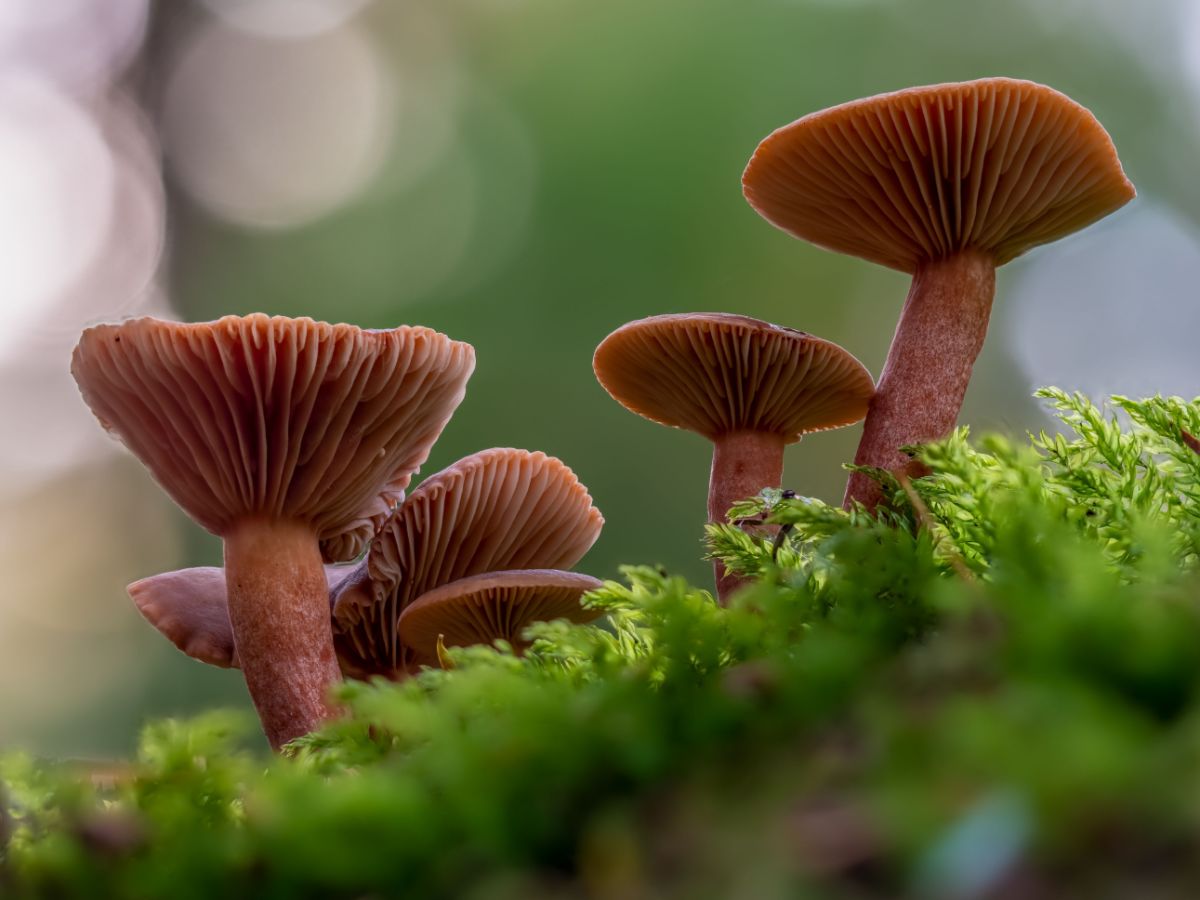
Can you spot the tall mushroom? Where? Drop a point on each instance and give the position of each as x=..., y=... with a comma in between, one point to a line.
x=275, y=434
x=482, y=609
x=494, y=510
x=945, y=182
x=748, y=386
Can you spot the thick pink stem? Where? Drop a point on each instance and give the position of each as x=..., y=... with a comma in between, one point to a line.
x=279, y=610
x=744, y=463
x=921, y=390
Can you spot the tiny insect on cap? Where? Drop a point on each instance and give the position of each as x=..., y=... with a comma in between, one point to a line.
x=493, y=606
x=998, y=165
x=716, y=373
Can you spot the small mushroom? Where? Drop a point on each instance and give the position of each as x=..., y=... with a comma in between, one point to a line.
x=945, y=182
x=190, y=607
x=494, y=606
x=275, y=434
x=494, y=510
x=748, y=386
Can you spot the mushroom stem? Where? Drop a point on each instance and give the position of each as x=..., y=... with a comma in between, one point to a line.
x=279, y=611
x=920, y=392
x=744, y=462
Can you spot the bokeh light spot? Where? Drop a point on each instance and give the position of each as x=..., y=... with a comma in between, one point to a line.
x=57, y=180
x=285, y=18
x=1112, y=310
x=276, y=133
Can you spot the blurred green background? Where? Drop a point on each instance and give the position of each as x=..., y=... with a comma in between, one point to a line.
x=525, y=175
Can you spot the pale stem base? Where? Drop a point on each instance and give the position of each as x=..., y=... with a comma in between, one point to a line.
x=279, y=610
x=743, y=464
x=928, y=367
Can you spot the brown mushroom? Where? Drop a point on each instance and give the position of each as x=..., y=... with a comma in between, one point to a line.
x=190, y=607
x=493, y=606
x=748, y=386
x=275, y=434
x=494, y=510
x=945, y=182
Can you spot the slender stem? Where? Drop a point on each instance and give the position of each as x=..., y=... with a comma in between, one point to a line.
x=279, y=610
x=744, y=463
x=921, y=390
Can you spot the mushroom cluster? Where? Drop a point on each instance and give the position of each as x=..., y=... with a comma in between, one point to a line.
x=474, y=555
x=295, y=441
x=520, y=514
x=945, y=182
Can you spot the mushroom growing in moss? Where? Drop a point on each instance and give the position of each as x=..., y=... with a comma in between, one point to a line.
x=748, y=386
x=275, y=434
x=482, y=609
x=945, y=182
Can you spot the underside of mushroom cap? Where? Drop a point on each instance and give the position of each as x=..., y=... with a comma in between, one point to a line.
x=998, y=165
x=491, y=606
x=496, y=509
x=716, y=373
x=274, y=417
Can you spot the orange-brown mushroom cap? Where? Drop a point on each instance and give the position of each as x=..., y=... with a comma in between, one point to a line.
x=275, y=417
x=998, y=165
x=493, y=606
x=498, y=509
x=716, y=373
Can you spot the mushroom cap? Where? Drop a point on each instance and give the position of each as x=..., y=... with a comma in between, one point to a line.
x=274, y=417
x=190, y=607
x=496, y=509
x=491, y=606
x=999, y=165
x=716, y=373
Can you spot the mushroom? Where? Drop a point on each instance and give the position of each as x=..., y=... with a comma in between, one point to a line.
x=748, y=386
x=482, y=609
x=945, y=182
x=190, y=607
x=494, y=510
x=275, y=434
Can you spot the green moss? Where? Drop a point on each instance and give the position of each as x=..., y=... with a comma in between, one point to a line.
x=993, y=688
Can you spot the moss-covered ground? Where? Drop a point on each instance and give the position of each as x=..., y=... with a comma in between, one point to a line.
x=990, y=691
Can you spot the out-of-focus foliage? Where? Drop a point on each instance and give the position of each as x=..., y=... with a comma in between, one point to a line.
x=990, y=691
